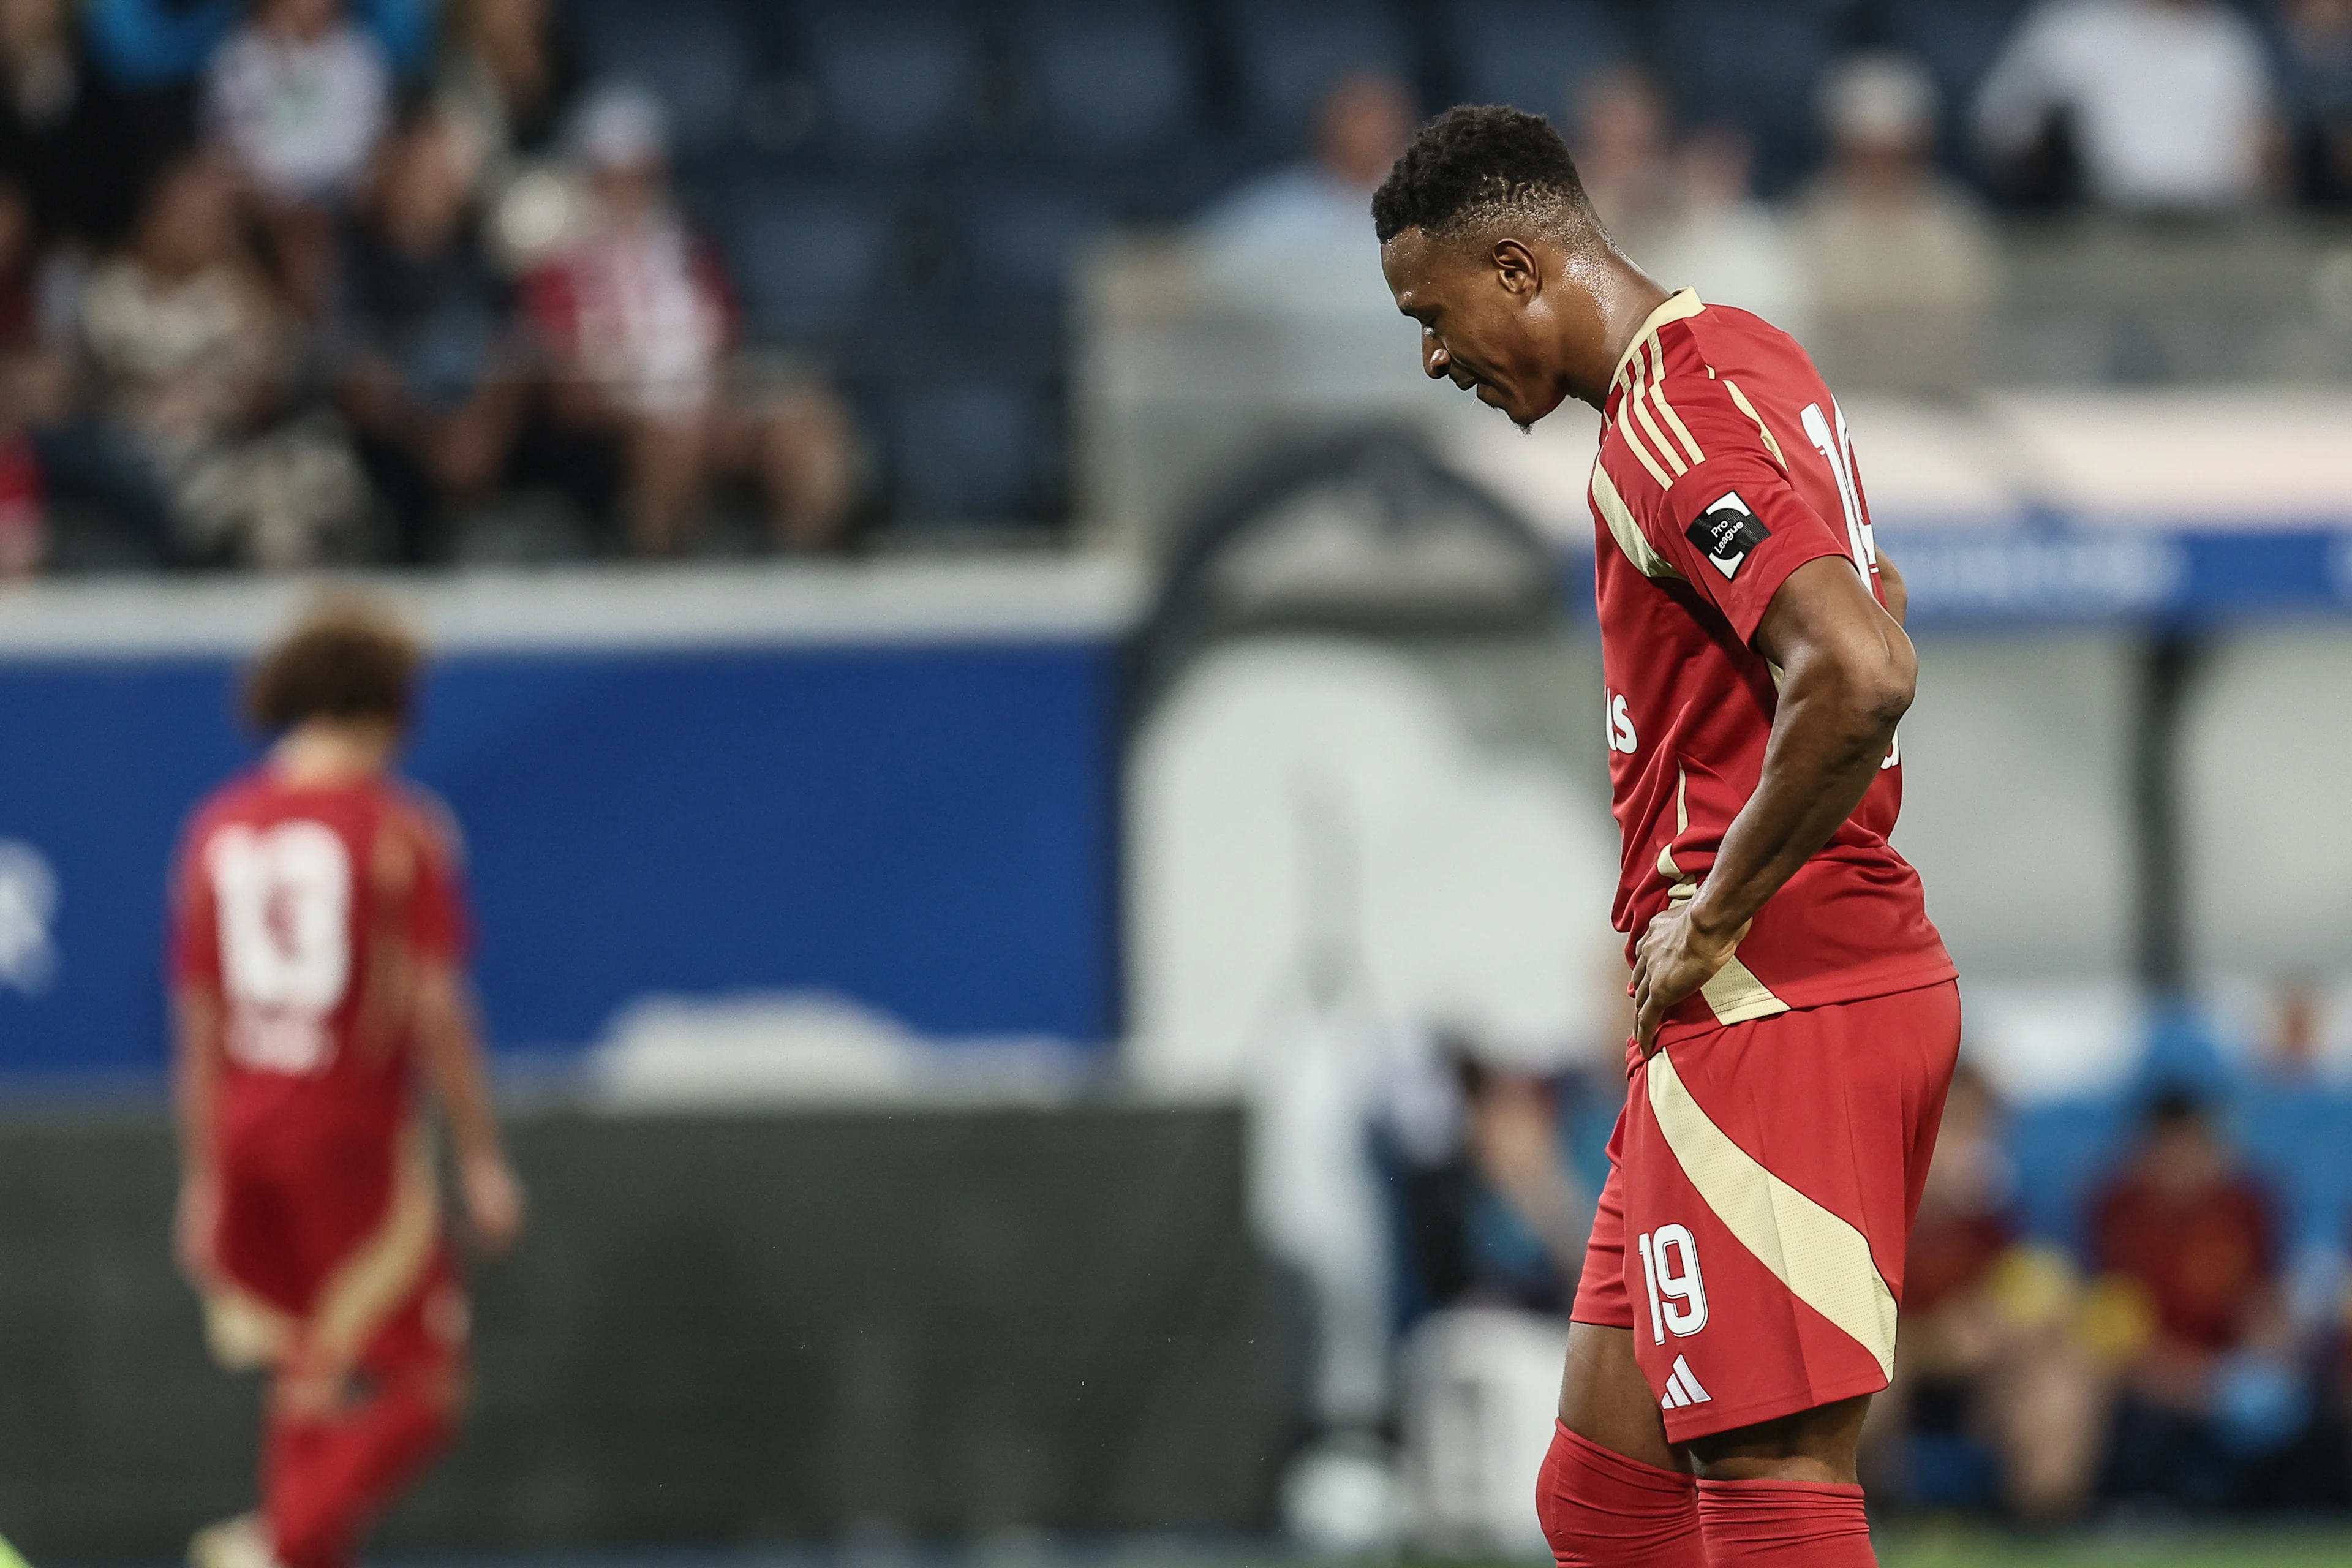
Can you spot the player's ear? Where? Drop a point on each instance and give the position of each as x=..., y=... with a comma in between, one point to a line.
x=1515, y=267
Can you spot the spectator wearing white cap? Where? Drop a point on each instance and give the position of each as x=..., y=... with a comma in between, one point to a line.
x=638, y=323
x=1904, y=260
x=2164, y=104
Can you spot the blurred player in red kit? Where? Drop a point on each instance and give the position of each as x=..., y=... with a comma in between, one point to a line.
x=1796, y=1019
x=318, y=963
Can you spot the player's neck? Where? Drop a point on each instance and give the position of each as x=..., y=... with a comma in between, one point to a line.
x=324, y=753
x=1624, y=297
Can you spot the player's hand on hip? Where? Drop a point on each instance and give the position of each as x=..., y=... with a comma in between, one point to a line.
x=1673, y=958
x=494, y=1202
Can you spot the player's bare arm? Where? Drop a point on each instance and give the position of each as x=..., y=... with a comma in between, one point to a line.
x=1847, y=675
x=196, y=1093
x=451, y=1042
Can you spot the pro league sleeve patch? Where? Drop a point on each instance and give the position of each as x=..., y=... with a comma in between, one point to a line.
x=1726, y=532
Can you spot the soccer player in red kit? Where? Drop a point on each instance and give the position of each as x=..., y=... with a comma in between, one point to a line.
x=318, y=961
x=1797, y=1019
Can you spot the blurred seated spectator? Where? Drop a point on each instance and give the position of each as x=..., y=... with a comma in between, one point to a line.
x=1724, y=242
x=63, y=131
x=1903, y=259
x=36, y=372
x=636, y=321
x=2158, y=105
x=1624, y=155
x=1988, y=1364
x=151, y=46
x=1685, y=212
x=299, y=96
x=1492, y=1210
x=430, y=370
x=509, y=81
x=193, y=438
x=1297, y=238
x=2188, y=1251
x=1495, y=1219
x=2316, y=85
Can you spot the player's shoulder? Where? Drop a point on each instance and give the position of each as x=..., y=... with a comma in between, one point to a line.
x=424, y=817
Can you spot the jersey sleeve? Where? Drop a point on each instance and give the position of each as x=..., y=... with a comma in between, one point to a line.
x=439, y=926
x=193, y=949
x=1735, y=528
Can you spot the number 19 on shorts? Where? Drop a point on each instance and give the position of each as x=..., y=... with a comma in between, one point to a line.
x=1677, y=1294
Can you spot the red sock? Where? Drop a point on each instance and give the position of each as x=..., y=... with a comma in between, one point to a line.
x=1601, y=1510
x=327, y=1480
x=1784, y=1524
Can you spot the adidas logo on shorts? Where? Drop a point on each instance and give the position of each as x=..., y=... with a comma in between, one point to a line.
x=1682, y=1388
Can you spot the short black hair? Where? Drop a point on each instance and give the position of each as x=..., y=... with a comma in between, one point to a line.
x=1475, y=159
x=349, y=659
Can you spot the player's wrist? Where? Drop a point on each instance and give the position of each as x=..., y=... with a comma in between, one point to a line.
x=1714, y=924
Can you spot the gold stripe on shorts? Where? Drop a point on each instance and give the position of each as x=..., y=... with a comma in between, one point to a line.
x=1823, y=1260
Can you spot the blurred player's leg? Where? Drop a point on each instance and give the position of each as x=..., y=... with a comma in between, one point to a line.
x=327, y=1478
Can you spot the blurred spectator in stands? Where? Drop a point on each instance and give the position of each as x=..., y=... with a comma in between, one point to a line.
x=189, y=356
x=1989, y=1365
x=1296, y=239
x=2155, y=105
x=299, y=96
x=1494, y=1220
x=1624, y=154
x=1493, y=1210
x=2316, y=85
x=1903, y=259
x=2188, y=1250
x=60, y=127
x=35, y=379
x=430, y=373
x=509, y=81
x=636, y=318
x=1722, y=241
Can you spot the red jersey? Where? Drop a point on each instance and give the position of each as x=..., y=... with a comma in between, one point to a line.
x=1725, y=465
x=306, y=908
x=2204, y=1259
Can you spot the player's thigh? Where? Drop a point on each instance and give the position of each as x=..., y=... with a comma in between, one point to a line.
x=1821, y=1446
x=1605, y=1398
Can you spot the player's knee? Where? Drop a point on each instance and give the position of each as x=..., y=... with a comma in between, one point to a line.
x=1601, y=1510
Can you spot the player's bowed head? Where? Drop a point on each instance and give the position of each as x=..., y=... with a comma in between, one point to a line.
x=1489, y=242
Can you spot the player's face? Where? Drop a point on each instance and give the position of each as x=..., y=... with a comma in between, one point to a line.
x=1476, y=310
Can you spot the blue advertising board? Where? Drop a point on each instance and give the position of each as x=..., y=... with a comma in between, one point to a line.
x=922, y=825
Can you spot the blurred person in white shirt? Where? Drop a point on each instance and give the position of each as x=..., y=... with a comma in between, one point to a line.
x=299, y=97
x=2166, y=103
x=1294, y=237
x=637, y=320
x=1903, y=258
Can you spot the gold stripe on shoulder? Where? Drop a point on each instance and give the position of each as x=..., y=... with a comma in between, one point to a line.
x=1624, y=528
x=1680, y=306
x=1658, y=397
x=1638, y=399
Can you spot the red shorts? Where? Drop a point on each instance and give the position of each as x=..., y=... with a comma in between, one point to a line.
x=337, y=1246
x=1762, y=1183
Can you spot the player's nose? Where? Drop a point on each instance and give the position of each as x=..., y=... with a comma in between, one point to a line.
x=1434, y=357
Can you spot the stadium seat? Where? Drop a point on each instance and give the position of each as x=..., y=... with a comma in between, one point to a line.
x=894, y=84
x=693, y=55
x=1021, y=238
x=806, y=262
x=1528, y=53
x=1106, y=83
x=972, y=451
x=2064, y=1151
x=1754, y=64
x=1287, y=52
